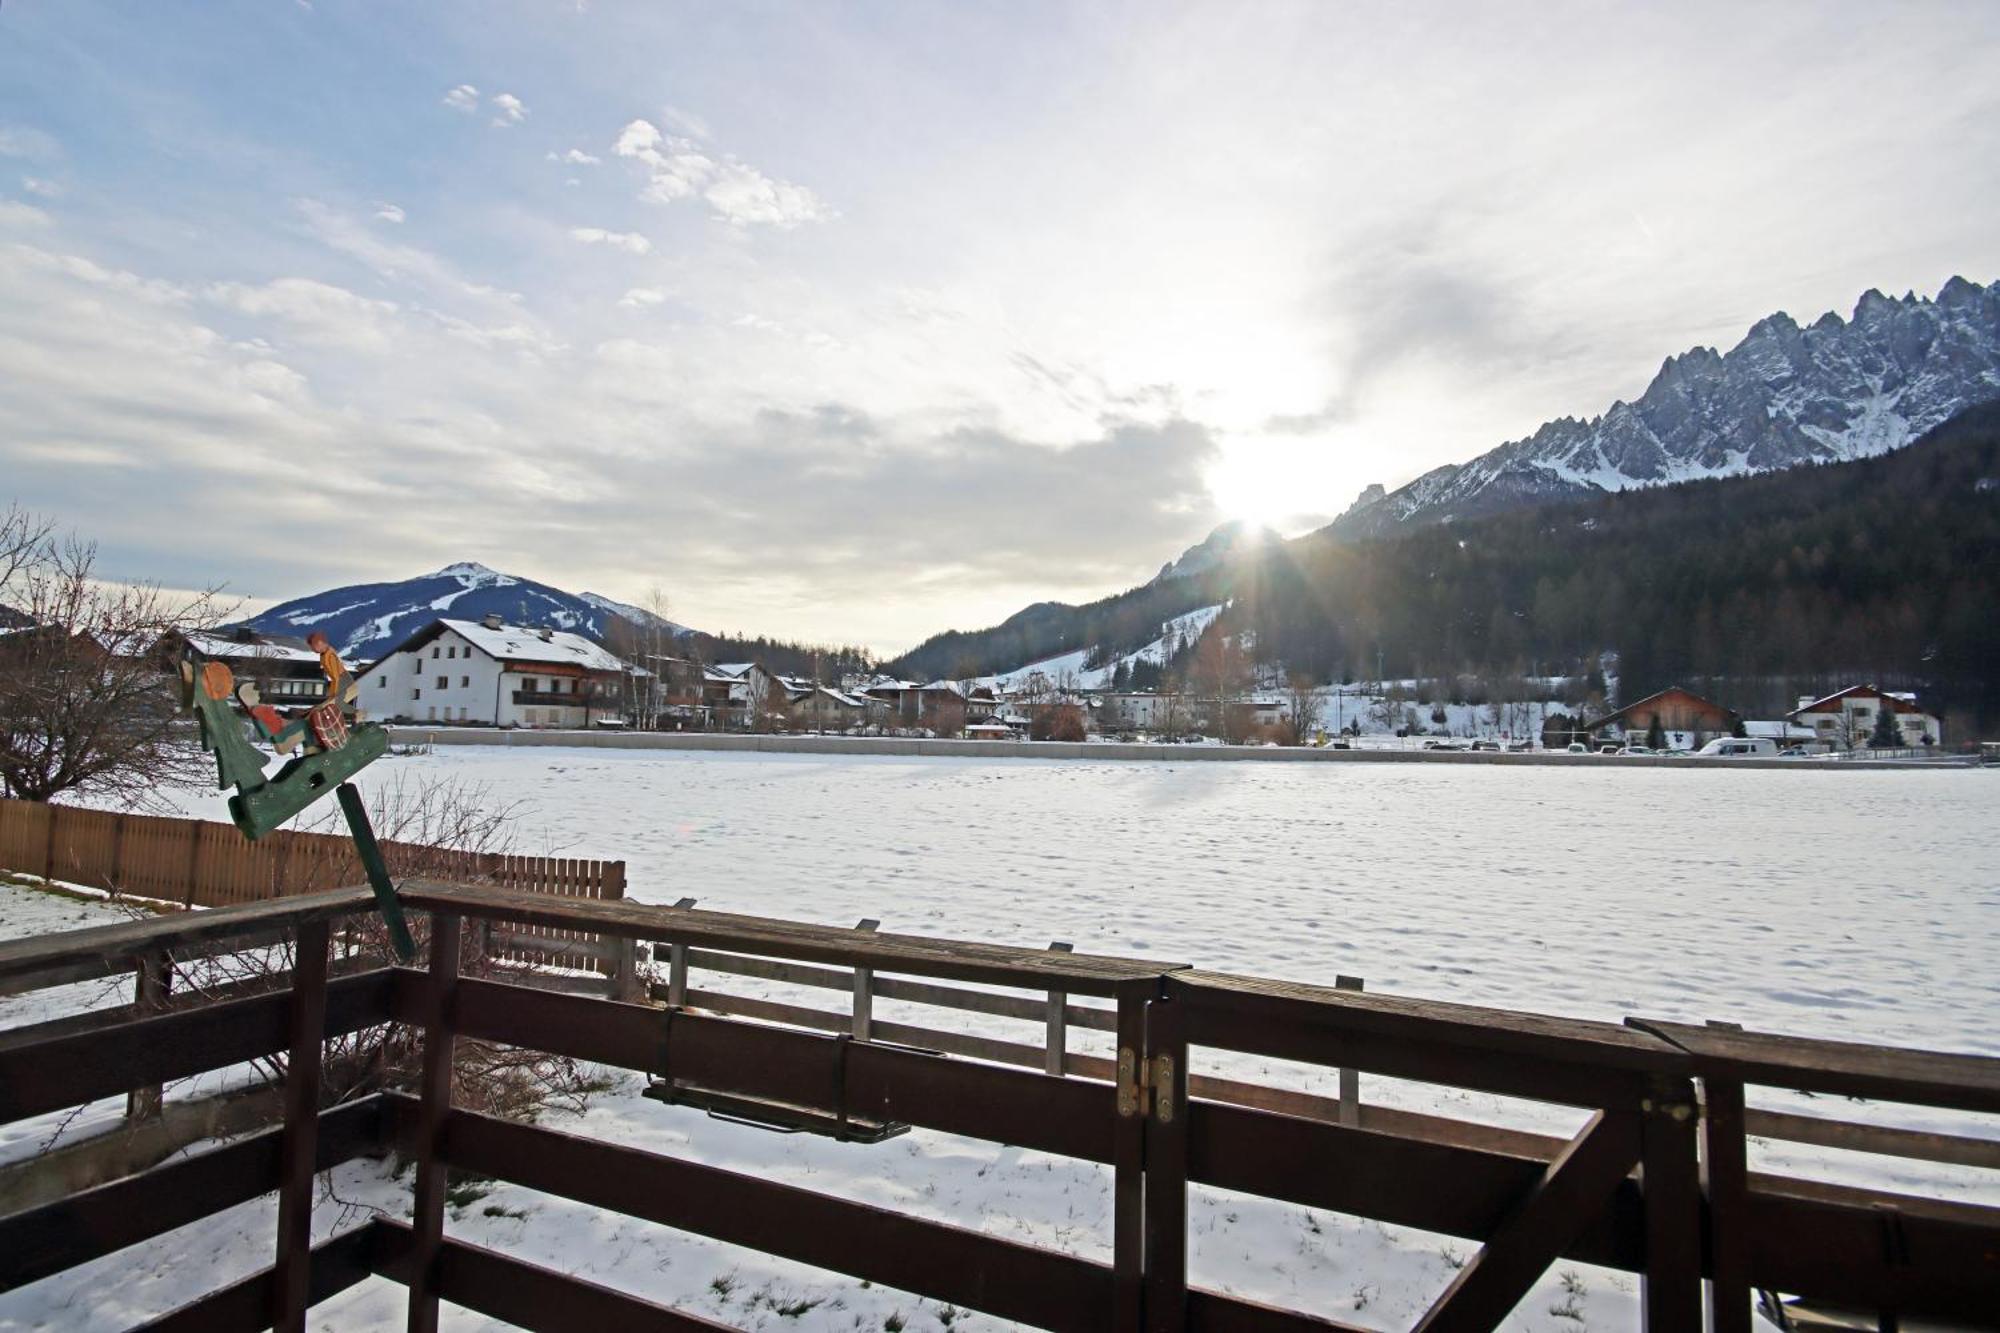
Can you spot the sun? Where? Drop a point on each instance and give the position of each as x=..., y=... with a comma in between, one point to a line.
x=1249, y=487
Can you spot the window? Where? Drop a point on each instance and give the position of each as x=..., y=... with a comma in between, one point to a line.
x=435, y=650
x=465, y=682
x=450, y=651
x=381, y=680
x=529, y=683
x=444, y=682
x=434, y=713
x=417, y=693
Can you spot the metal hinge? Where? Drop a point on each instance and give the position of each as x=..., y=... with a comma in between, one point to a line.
x=1134, y=1078
x=1140, y=1083
x=1163, y=1088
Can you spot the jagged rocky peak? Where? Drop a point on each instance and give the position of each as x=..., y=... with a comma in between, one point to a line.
x=1371, y=494
x=1783, y=395
x=1227, y=541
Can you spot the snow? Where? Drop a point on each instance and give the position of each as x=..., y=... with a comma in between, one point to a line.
x=324, y=615
x=221, y=645
x=1068, y=667
x=513, y=643
x=1772, y=898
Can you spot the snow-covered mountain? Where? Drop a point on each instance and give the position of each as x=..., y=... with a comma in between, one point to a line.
x=1067, y=670
x=368, y=619
x=1785, y=395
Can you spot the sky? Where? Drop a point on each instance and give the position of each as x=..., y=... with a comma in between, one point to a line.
x=860, y=322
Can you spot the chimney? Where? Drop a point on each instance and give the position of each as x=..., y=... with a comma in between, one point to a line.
x=493, y=621
x=546, y=633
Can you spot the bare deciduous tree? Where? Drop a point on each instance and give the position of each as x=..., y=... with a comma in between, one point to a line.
x=86, y=703
x=430, y=827
x=1303, y=704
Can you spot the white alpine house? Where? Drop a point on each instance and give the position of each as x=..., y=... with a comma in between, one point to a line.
x=487, y=671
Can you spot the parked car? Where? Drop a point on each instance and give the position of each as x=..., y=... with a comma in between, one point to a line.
x=1577, y=747
x=1489, y=746
x=1520, y=747
x=1612, y=748
x=1639, y=749
x=1740, y=747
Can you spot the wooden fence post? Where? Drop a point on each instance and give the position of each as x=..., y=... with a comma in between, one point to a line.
x=1056, y=1058
x=427, y=1211
x=1350, y=1079
x=677, y=967
x=152, y=977
x=1669, y=1174
x=1725, y=1182
x=1128, y=1160
x=300, y=1141
x=1166, y=1166
x=864, y=987
x=625, y=982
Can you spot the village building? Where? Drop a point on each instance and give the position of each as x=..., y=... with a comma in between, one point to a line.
x=285, y=671
x=940, y=706
x=1786, y=735
x=1138, y=710
x=490, y=672
x=1688, y=720
x=1845, y=720
x=677, y=699
x=824, y=708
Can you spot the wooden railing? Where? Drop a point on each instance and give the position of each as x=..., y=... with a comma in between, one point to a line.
x=1655, y=1183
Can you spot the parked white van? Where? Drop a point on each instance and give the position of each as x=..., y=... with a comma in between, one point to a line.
x=1738, y=747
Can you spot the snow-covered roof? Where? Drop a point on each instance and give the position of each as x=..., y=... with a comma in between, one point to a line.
x=733, y=670
x=224, y=645
x=517, y=643
x=1899, y=701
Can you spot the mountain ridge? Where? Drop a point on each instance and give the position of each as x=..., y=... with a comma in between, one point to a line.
x=1783, y=396
x=365, y=620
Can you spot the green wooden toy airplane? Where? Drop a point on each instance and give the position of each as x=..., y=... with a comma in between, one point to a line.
x=329, y=752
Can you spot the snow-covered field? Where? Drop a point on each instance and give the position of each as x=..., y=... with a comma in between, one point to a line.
x=1846, y=904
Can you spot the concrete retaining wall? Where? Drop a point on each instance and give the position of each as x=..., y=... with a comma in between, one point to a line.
x=1106, y=750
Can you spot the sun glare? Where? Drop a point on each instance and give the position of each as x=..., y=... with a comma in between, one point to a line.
x=1250, y=488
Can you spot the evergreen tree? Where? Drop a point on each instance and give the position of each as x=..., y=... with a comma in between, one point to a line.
x=1656, y=735
x=1885, y=735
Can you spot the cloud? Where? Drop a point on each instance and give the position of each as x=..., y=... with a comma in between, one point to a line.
x=389, y=213
x=47, y=189
x=629, y=241
x=510, y=109
x=678, y=168
x=23, y=141
x=687, y=122
x=317, y=313
x=576, y=157
x=642, y=296
x=399, y=262
x=14, y=214
x=464, y=98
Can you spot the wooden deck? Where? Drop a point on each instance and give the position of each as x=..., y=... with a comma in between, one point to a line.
x=1654, y=1184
